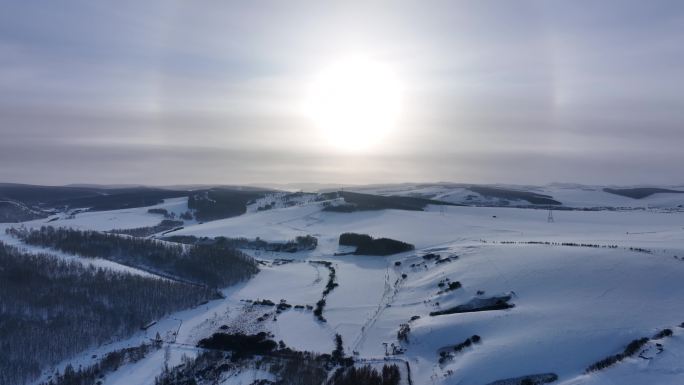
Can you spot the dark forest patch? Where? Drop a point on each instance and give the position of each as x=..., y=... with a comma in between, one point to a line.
x=631, y=349
x=478, y=304
x=300, y=243
x=164, y=225
x=12, y=212
x=208, y=204
x=240, y=344
x=367, y=245
x=531, y=379
x=366, y=202
x=210, y=265
x=84, y=307
x=640, y=192
x=236, y=352
x=501, y=193
x=221, y=203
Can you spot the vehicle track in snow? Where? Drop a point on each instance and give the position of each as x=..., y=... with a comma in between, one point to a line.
x=391, y=290
x=388, y=295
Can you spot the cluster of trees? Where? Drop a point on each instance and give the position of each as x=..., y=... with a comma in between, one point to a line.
x=111, y=362
x=329, y=287
x=514, y=195
x=640, y=192
x=116, y=199
x=354, y=239
x=161, y=211
x=474, y=339
x=531, y=379
x=241, y=345
x=300, y=243
x=193, y=370
x=631, y=349
x=478, y=304
x=403, y=333
x=96, y=198
x=447, y=285
x=367, y=245
x=209, y=265
x=165, y=225
x=662, y=334
x=280, y=307
x=287, y=366
x=240, y=352
x=364, y=202
x=366, y=375
x=216, y=204
x=338, y=357
x=280, y=199
x=51, y=309
x=11, y=212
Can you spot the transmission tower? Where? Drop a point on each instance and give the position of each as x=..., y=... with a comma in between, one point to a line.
x=550, y=217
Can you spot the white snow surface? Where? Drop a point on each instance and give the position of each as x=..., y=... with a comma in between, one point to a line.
x=573, y=305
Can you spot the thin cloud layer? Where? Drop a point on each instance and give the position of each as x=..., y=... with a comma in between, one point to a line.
x=518, y=92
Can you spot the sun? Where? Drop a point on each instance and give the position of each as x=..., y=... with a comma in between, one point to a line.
x=355, y=103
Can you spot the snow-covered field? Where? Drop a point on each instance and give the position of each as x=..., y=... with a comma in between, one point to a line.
x=569, y=195
x=574, y=305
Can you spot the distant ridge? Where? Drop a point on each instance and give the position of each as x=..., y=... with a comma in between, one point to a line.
x=640, y=192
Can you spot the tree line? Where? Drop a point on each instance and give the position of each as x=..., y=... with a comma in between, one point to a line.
x=207, y=264
x=111, y=362
x=367, y=245
x=220, y=203
x=146, y=231
x=300, y=243
x=239, y=352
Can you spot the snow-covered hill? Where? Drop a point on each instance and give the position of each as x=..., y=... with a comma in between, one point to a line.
x=574, y=196
x=582, y=287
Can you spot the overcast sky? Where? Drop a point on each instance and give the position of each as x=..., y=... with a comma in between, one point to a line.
x=174, y=92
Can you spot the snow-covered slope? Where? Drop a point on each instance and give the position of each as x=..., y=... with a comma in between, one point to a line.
x=582, y=288
x=97, y=220
x=573, y=305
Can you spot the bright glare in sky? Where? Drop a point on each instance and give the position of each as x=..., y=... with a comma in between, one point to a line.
x=355, y=103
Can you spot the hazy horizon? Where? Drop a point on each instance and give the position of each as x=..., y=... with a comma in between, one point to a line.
x=162, y=93
x=323, y=186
